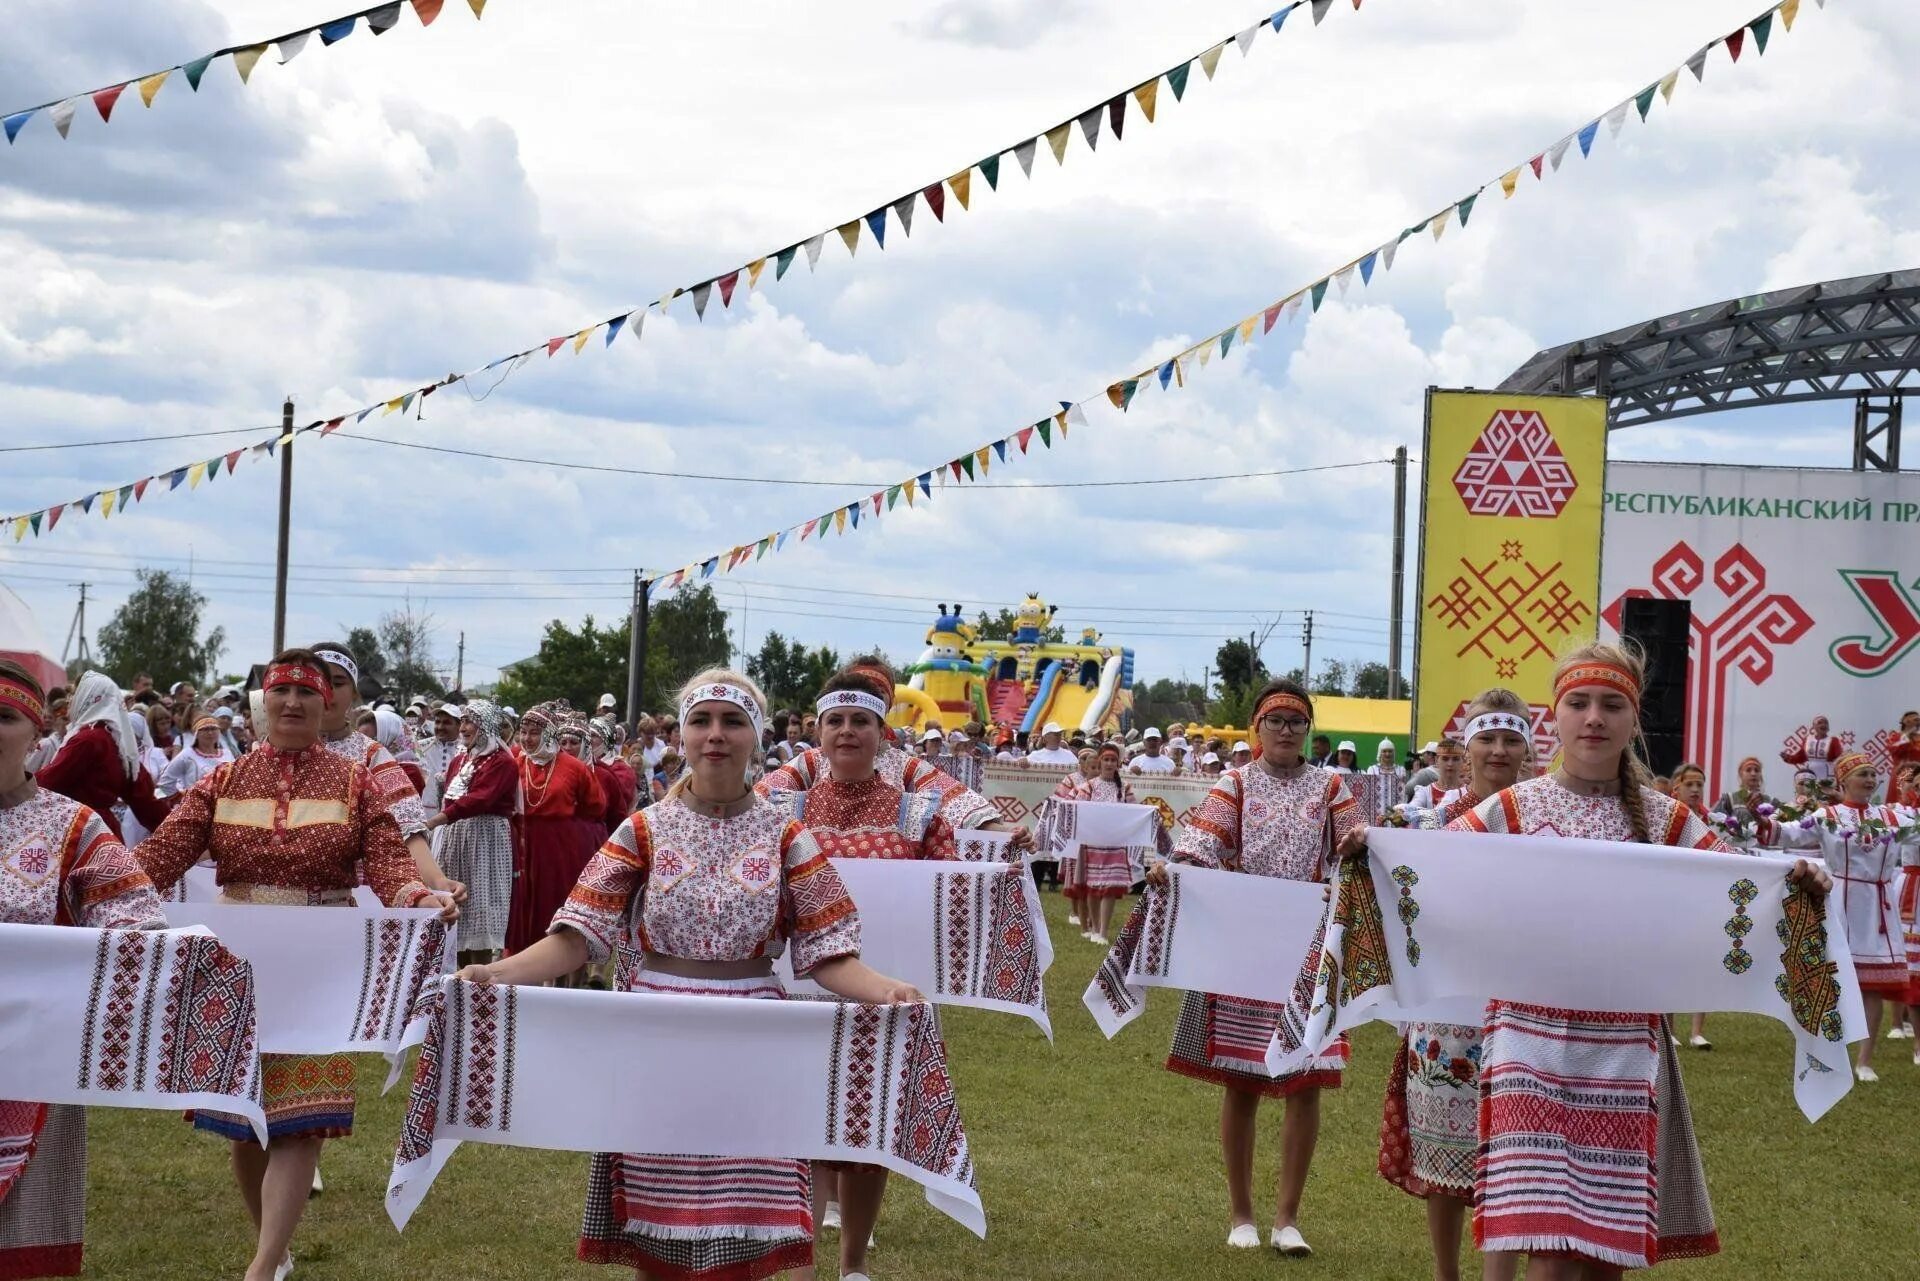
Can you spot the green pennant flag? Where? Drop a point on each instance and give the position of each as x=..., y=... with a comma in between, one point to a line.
x=966, y=462
x=784, y=260
x=990, y=170
x=765, y=543
x=1466, y=208
x=1045, y=428
x=893, y=496
x=196, y=69
x=1226, y=342
x=213, y=469
x=34, y=520
x=1762, y=27
x=1177, y=80
x=1319, y=294
x=1644, y=99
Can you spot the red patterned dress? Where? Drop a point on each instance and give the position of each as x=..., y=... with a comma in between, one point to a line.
x=1097, y=873
x=871, y=819
x=680, y=884
x=88, y=769
x=1286, y=826
x=960, y=806
x=1586, y=1138
x=288, y=829
x=60, y=864
x=562, y=810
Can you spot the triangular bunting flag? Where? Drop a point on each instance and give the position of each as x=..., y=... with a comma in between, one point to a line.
x=337, y=30
x=614, y=327
x=384, y=19
x=1735, y=41
x=850, y=236
x=962, y=187
x=86, y=504
x=990, y=170
x=1146, y=95
x=1508, y=181
x=1366, y=270
x=195, y=70
x=1045, y=428
x=1245, y=39
x=807, y=529
x=243, y=60
x=103, y=100
x=34, y=521
x=1558, y=152
x=1000, y=448
x=1071, y=413
x=1789, y=10
x=1024, y=435
x=553, y=345
x=1279, y=18
x=780, y=543
x=1177, y=80
x=1206, y=350
x=1057, y=139
x=1166, y=375
x=955, y=465
x=291, y=46
x=1319, y=294
x=1117, y=114
x=1587, y=136
x=966, y=463
x=1762, y=27
x=784, y=260
x=126, y=497
x=926, y=482
x=1466, y=208
x=700, y=294
x=579, y=341
x=149, y=87
x=840, y=520
x=427, y=10
x=903, y=210
x=1666, y=85
x=1122, y=393
x=1269, y=318
x=140, y=488
x=893, y=497
x=1024, y=154
x=1211, y=59
x=706, y=570
x=1697, y=64
x=984, y=459
x=332, y=426
x=195, y=474
x=813, y=251
x=1643, y=101
x=1438, y=223
x=106, y=504
x=937, y=201
x=53, y=515
x=853, y=510
x=1090, y=128
x=476, y=6
x=754, y=269
x=876, y=498
x=62, y=113
x=14, y=122
x=233, y=460
x=1616, y=118
x=1320, y=8
x=1536, y=162
x=727, y=284
x=877, y=223
x=175, y=477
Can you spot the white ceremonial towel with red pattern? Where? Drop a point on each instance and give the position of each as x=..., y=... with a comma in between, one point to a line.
x=128, y=1019
x=968, y=934
x=1433, y=925
x=977, y=845
x=579, y=1071
x=335, y=981
x=1208, y=931
x=1106, y=825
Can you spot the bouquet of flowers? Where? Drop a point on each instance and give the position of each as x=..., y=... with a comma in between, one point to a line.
x=1742, y=827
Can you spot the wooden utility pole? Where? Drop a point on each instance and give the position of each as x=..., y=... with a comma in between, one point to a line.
x=1395, y=609
x=460, y=663
x=286, y=514
x=637, y=650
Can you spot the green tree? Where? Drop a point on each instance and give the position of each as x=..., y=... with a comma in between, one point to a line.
x=1164, y=702
x=365, y=645
x=1238, y=666
x=999, y=626
x=407, y=640
x=1370, y=681
x=780, y=669
x=1331, y=678
x=577, y=665
x=157, y=631
x=686, y=633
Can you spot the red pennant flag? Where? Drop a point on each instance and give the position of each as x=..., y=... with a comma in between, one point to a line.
x=1536, y=163
x=331, y=426
x=428, y=10
x=1734, y=41
x=1024, y=435
x=554, y=344
x=955, y=464
x=1267, y=321
x=878, y=498
x=53, y=515
x=727, y=283
x=105, y=98
x=233, y=460
x=140, y=489
x=937, y=201
x=807, y=529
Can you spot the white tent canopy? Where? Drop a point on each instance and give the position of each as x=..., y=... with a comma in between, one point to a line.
x=22, y=641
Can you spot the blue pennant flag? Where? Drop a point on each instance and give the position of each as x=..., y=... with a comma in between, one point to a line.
x=1166, y=375
x=614, y=327
x=1586, y=137
x=1366, y=268
x=706, y=570
x=336, y=31
x=877, y=221
x=15, y=123
x=1279, y=18
x=175, y=477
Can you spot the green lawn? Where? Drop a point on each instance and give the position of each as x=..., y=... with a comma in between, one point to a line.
x=1094, y=1163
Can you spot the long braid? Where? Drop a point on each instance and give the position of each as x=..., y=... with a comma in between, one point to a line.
x=1633, y=778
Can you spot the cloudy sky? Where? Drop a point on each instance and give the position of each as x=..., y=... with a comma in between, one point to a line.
x=380, y=213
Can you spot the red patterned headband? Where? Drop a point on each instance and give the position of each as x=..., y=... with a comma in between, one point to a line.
x=1282, y=701
x=16, y=694
x=1849, y=765
x=1611, y=675
x=305, y=675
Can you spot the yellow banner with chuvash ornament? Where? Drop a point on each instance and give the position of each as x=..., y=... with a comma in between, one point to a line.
x=1511, y=497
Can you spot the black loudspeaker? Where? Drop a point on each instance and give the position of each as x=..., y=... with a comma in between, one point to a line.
x=1661, y=628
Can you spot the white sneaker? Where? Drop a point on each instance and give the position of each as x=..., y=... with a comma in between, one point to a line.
x=1088, y=935
x=830, y=1217
x=1864, y=1073
x=1101, y=939
x=1899, y=1033
x=1289, y=1242
x=318, y=1186
x=1674, y=1039
x=1073, y=918
x=1700, y=1043
x=853, y=1276
x=285, y=1269
x=1244, y=1237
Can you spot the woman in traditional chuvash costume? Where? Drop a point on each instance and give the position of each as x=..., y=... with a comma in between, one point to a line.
x=1100, y=877
x=1429, y=1134
x=1046, y=835
x=98, y=763
x=710, y=883
x=60, y=864
x=290, y=823
x=1603, y=1174
x=855, y=813
x=559, y=797
x=1864, y=845
x=1276, y=816
x=474, y=835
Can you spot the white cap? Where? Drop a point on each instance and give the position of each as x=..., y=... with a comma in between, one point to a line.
x=933, y=735
x=223, y=713
x=1431, y=747
x=1346, y=745
x=1152, y=733
x=1210, y=759
x=1052, y=727
x=607, y=700
x=956, y=736
x=1241, y=746
x=1386, y=745
x=510, y=712
x=450, y=709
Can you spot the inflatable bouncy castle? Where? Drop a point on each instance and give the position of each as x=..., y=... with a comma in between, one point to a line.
x=1022, y=682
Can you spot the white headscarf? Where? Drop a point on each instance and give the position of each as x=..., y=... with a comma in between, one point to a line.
x=96, y=701
x=491, y=724
x=391, y=733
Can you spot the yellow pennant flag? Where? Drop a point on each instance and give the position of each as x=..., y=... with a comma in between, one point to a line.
x=1440, y=222
x=1146, y=95
x=392, y=406
x=106, y=503
x=151, y=85
x=840, y=520
x=981, y=456
x=1508, y=181
x=580, y=339
x=850, y=232
x=243, y=60
x=908, y=489
x=754, y=269
x=1246, y=328
x=962, y=184
x=284, y=439
x=1789, y=10
x=1666, y=86
x=19, y=528
x=1057, y=139
x=195, y=474
x=476, y=6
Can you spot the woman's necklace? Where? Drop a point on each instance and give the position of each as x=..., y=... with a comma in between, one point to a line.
x=1587, y=786
x=527, y=766
x=714, y=809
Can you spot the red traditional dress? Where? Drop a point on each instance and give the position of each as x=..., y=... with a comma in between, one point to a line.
x=1864, y=865
x=60, y=864
x=1097, y=873
x=1284, y=826
x=871, y=819
x=291, y=829
x=620, y=785
x=1430, y=1126
x=679, y=884
x=478, y=844
x=88, y=769
x=561, y=806
x=1586, y=1138
x=1815, y=755
x=961, y=807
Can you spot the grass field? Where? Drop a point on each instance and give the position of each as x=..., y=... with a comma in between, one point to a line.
x=1094, y=1163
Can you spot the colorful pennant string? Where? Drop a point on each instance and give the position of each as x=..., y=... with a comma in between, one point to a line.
x=1163, y=373
x=1167, y=372
x=380, y=19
